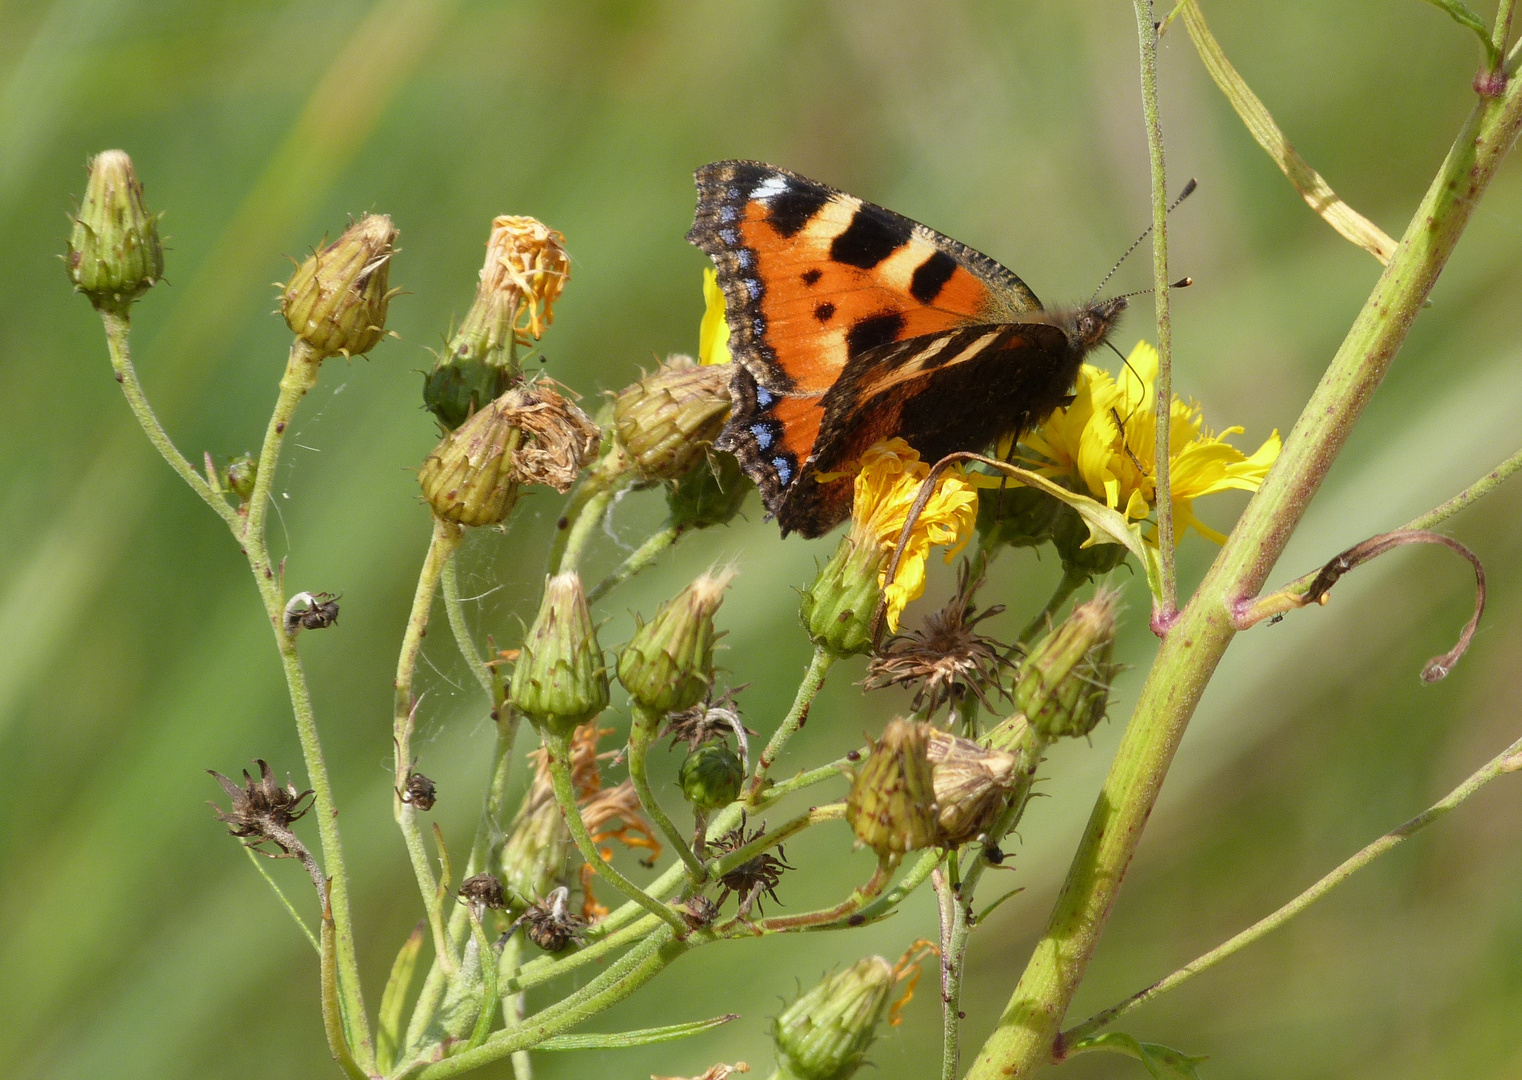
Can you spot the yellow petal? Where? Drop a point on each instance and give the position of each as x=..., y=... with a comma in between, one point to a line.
x=713, y=332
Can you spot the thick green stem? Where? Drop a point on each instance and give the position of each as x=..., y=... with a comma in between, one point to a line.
x=557, y=749
x=797, y=716
x=117, y=332
x=1027, y=1030
x=638, y=559
x=1146, y=31
x=1507, y=761
x=446, y=537
x=300, y=376
x=641, y=735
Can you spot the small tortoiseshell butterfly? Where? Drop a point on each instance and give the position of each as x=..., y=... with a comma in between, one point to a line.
x=850, y=324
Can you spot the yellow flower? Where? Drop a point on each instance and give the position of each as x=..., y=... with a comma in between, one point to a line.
x=713, y=334
x=889, y=482
x=1105, y=443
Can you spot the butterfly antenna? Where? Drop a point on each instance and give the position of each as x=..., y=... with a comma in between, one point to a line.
x=1182, y=195
x=1181, y=283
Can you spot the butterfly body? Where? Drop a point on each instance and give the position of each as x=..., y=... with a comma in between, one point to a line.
x=850, y=324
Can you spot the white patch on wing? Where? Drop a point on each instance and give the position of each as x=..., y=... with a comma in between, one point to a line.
x=769, y=188
x=922, y=359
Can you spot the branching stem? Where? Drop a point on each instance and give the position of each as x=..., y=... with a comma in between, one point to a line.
x=797, y=716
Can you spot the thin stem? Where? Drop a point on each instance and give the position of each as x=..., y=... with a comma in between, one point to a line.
x=1023, y=1040
x=117, y=332
x=797, y=716
x=1501, y=33
x=446, y=538
x=300, y=375
x=334, y=1023
x=1072, y=581
x=1146, y=31
x=258, y=861
x=583, y=514
x=953, y=953
x=638, y=559
x=845, y=909
x=641, y=735
x=1468, y=497
x=557, y=748
x=461, y=630
x=1507, y=761
x=488, y=961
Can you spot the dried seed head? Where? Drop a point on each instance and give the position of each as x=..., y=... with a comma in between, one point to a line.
x=715, y=719
x=891, y=805
x=485, y=890
x=711, y=776
x=756, y=875
x=549, y=923
x=668, y=665
x=713, y=1072
x=560, y=680
x=419, y=791
x=1063, y=686
x=336, y=301
x=667, y=421
x=946, y=659
x=971, y=783
x=526, y=255
x=262, y=810
x=114, y=251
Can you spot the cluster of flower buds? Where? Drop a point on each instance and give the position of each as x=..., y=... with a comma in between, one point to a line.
x=1063, y=686
x=529, y=435
x=668, y=664
x=525, y=270
x=336, y=300
x=114, y=254
x=560, y=679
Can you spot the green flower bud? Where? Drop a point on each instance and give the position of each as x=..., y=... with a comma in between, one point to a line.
x=114, y=251
x=669, y=419
x=533, y=858
x=709, y=493
x=838, y=607
x=1018, y=516
x=1069, y=533
x=970, y=784
x=711, y=776
x=1063, y=686
x=241, y=473
x=891, y=805
x=462, y=383
x=336, y=301
x=824, y=1035
x=668, y=665
x=559, y=680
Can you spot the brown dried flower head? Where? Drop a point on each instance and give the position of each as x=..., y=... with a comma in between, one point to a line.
x=947, y=658
x=549, y=923
x=759, y=874
x=526, y=257
x=485, y=890
x=970, y=782
x=262, y=811
x=419, y=791
x=714, y=1072
x=714, y=719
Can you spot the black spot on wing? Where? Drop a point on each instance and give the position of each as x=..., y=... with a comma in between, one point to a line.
x=811, y=276
x=873, y=331
x=825, y=312
x=869, y=239
x=931, y=276
x=791, y=209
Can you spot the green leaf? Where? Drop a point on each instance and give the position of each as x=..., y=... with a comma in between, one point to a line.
x=1162, y=1062
x=395, y=996
x=642, y=1037
x=1460, y=13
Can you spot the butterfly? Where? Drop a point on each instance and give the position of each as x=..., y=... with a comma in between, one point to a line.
x=850, y=324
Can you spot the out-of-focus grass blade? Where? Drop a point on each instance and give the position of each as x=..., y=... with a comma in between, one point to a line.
x=642, y=1037
x=254, y=857
x=1317, y=193
x=388, y=1038
x=1162, y=1062
x=1460, y=13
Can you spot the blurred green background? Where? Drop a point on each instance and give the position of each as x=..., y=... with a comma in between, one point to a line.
x=136, y=941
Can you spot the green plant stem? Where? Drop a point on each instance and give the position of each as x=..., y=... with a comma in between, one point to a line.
x=300, y=376
x=488, y=963
x=446, y=538
x=1193, y=647
x=557, y=748
x=797, y=716
x=641, y=735
x=825, y=916
x=1146, y=30
x=306, y=930
x=1501, y=33
x=583, y=514
x=333, y=1021
x=118, y=330
x=1507, y=761
x=461, y=630
x=638, y=559
x=1072, y=581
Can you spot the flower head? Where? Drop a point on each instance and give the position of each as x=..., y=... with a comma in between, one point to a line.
x=713, y=332
x=1104, y=443
x=892, y=805
x=526, y=256
x=668, y=666
x=262, y=810
x=336, y=301
x=114, y=250
x=759, y=874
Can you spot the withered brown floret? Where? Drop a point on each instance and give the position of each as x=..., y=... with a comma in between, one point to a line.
x=699, y=911
x=715, y=718
x=755, y=876
x=263, y=811
x=483, y=889
x=420, y=791
x=549, y=923
x=946, y=658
